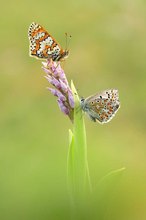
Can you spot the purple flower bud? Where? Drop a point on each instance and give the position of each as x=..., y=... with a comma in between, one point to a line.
x=63, y=77
x=58, y=67
x=60, y=72
x=62, y=107
x=56, y=83
x=57, y=93
x=64, y=87
x=53, y=91
x=54, y=69
x=46, y=70
x=53, y=81
x=49, y=78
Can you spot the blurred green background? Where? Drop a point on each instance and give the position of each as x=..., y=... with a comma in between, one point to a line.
x=107, y=50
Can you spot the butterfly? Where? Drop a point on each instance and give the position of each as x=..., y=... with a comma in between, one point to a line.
x=102, y=106
x=43, y=45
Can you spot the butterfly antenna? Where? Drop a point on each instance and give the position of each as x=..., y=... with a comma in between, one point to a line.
x=67, y=40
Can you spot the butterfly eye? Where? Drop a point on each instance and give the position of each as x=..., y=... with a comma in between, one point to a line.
x=100, y=96
x=82, y=99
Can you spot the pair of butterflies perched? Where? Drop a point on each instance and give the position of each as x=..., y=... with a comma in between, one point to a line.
x=100, y=107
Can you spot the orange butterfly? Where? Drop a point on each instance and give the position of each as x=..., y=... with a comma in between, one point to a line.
x=43, y=45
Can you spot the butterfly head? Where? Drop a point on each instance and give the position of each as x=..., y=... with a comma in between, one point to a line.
x=82, y=101
x=64, y=55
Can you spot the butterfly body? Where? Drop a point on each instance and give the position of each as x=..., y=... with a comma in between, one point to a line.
x=43, y=45
x=101, y=107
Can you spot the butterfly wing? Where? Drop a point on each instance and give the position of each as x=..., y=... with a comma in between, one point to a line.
x=42, y=44
x=102, y=107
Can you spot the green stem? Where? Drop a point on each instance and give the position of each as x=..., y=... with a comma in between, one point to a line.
x=78, y=172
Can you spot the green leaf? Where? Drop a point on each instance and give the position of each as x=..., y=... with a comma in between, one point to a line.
x=109, y=180
x=106, y=193
x=70, y=164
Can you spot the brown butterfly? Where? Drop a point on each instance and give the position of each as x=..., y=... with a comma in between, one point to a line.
x=102, y=106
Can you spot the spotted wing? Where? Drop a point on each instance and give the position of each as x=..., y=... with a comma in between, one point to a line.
x=42, y=44
x=104, y=105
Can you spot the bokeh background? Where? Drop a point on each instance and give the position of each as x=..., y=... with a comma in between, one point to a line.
x=107, y=50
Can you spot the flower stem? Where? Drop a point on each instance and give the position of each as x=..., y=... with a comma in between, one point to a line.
x=78, y=172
